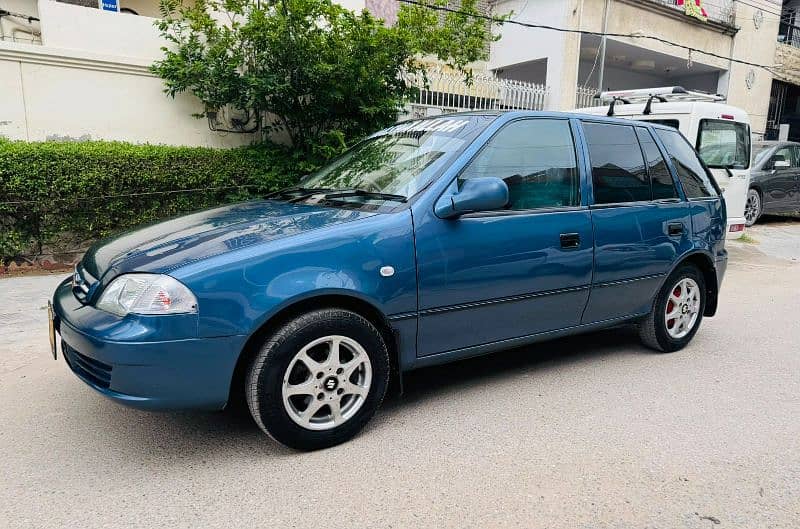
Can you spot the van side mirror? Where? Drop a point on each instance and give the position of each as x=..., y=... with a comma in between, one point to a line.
x=476, y=194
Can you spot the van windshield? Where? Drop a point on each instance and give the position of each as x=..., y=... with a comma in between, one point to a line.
x=724, y=144
x=391, y=165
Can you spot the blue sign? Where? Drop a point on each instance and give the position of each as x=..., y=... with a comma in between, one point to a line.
x=109, y=5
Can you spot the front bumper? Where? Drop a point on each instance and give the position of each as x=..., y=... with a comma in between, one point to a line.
x=147, y=362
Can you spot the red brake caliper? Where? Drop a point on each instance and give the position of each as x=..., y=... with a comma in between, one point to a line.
x=671, y=305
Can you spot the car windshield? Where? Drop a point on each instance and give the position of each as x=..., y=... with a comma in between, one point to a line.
x=391, y=165
x=722, y=143
x=761, y=150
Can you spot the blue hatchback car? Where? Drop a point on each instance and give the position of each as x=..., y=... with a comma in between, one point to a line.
x=429, y=241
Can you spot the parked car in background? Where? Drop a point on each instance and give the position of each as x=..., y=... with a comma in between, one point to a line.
x=774, y=181
x=719, y=132
x=428, y=242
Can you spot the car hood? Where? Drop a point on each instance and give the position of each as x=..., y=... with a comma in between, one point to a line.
x=170, y=244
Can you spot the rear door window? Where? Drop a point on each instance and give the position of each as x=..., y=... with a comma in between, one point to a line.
x=696, y=181
x=660, y=178
x=618, y=169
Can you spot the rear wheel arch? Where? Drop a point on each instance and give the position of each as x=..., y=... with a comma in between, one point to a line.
x=302, y=306
x=705, y=264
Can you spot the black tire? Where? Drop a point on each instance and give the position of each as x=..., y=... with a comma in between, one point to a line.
x=263, y=383
x=755, y=202
x=653, y=329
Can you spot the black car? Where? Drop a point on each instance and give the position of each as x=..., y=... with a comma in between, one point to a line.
x=774, y=180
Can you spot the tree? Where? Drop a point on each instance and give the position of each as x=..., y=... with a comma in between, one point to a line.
x=320, y=73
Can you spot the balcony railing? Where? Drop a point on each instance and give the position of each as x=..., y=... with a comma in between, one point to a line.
x=789, y=34
x=720, y=11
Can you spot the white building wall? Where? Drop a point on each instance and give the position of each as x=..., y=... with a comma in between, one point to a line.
x=90, y=80
x=70, y=27
x=522, y=45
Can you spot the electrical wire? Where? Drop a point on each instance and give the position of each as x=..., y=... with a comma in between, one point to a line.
x=594, y=65
x=662, y=40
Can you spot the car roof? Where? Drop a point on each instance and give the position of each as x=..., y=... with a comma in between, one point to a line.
x=508, y=115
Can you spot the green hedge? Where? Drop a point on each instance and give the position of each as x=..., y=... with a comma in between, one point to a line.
x=54, y=197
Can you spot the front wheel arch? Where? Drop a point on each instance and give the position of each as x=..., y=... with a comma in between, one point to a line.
x=301, y=306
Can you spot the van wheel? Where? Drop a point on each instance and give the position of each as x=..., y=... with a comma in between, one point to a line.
x=677, y=311
x=318, y=379
x=753, y=207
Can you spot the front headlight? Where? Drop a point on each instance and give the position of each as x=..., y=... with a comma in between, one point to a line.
x=146, y=294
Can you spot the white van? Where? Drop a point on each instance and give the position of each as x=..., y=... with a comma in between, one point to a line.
x=719, y=132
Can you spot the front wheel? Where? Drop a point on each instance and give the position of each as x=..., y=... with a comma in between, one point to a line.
x=319, y=379
x=677, y=311
x=753, y=207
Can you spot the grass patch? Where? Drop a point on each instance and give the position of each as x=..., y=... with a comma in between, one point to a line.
x=747, y=239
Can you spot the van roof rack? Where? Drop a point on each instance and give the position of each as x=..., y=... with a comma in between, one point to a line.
x=662, y=94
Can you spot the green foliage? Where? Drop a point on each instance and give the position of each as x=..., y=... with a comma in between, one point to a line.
x=60, y=195
x=322, y=75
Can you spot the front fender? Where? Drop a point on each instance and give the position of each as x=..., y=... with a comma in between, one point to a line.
x=238, y=292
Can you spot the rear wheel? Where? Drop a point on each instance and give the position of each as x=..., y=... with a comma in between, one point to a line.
x=677, y=311
x=753, y=207
x=319, y=379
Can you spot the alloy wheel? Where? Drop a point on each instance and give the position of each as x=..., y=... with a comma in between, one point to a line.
x=683, y=307
x=327, y=382
x=752, y=208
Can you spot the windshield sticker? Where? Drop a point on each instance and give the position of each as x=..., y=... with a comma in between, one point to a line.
x=427, y=125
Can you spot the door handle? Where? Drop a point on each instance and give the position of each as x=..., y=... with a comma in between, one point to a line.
x=570, y=240
x=674, y=229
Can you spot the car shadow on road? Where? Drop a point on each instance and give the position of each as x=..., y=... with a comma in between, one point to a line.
x=202, y=434
x=788, y=220
x=432, y=382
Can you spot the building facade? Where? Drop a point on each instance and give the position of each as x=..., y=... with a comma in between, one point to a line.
x=784, y=105
x=78, y=69
x=570, y=64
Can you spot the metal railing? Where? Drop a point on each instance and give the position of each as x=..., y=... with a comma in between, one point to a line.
x=789, y=34
x=450, y=92
x=584, y=97
x=721, y=11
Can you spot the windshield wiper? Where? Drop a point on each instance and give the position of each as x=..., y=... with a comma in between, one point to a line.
x=295, y=194
x=344, y=193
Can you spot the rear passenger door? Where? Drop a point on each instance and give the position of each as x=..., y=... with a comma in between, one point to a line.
x=641, y=225
x=706, y=207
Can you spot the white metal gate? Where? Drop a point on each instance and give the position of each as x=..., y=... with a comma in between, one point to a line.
x=584, y=97
x=450, y=92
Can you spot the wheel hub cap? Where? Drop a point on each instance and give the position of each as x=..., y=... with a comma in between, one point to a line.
x=331, y=383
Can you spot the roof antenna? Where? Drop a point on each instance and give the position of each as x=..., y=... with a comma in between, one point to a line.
x=648, y=108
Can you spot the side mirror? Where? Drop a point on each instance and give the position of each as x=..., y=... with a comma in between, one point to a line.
x=476, y=194
x=781, y=164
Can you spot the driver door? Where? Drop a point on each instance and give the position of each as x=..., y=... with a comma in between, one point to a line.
x=491, y=276
x=779, y=184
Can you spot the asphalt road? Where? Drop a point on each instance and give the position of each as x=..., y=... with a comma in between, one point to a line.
x=591, y=432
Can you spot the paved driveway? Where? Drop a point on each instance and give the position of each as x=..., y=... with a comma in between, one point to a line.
x=592, y=432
